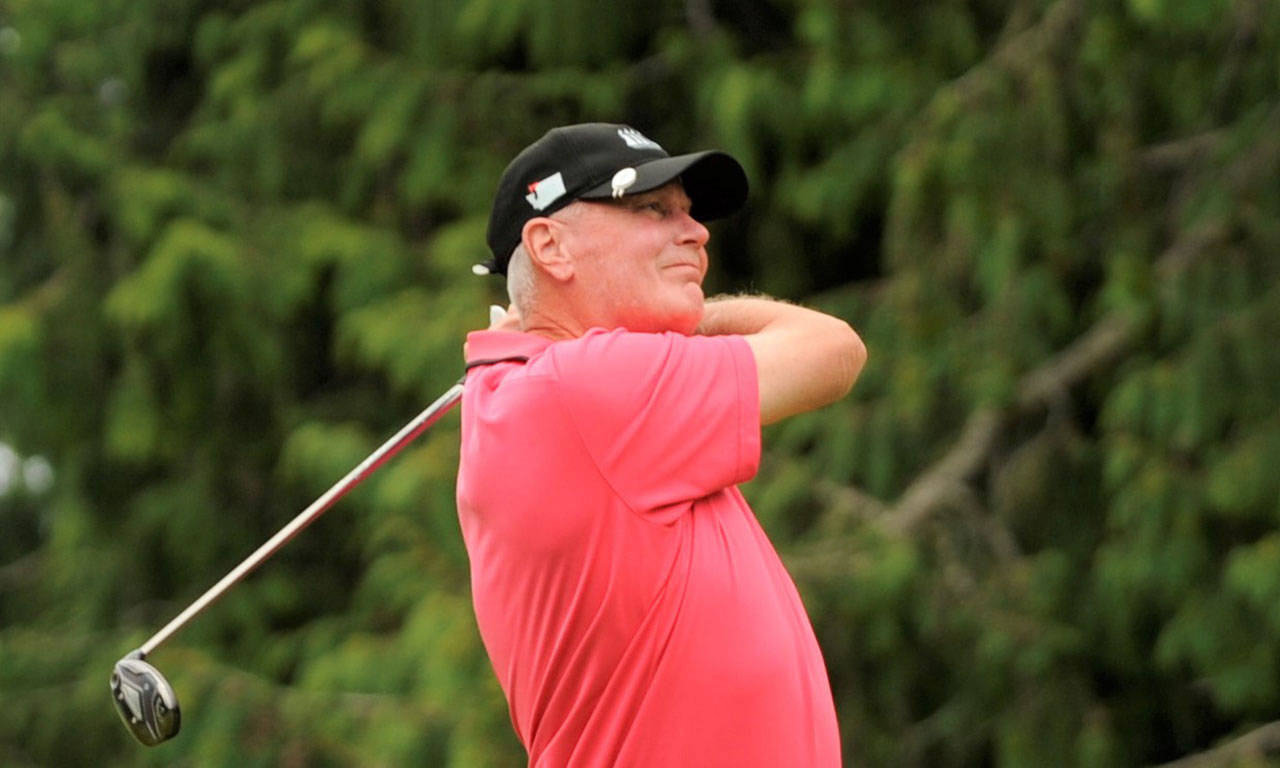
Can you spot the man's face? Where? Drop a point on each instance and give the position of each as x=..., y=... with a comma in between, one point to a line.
x=642, y=258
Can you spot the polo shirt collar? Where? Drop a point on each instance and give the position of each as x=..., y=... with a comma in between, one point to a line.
x=489, y=346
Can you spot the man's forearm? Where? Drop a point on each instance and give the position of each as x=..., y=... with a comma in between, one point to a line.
x=805, y=358
x=744, y=315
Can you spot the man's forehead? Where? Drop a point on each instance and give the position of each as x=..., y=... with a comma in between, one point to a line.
x=671, y=191
x=673, y=187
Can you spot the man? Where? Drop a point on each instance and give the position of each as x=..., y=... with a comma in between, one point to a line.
x=633, y=610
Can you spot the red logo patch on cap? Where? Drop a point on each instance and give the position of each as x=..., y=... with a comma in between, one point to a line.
x=545, y=191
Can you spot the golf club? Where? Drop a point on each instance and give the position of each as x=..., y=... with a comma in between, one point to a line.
x=145, y=700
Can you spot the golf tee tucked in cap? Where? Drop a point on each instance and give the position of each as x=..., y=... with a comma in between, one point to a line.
x=594, y=161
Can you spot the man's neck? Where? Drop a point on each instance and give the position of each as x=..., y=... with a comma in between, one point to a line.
x=556, y=329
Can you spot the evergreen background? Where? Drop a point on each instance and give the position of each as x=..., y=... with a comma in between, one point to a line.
x=235, y=250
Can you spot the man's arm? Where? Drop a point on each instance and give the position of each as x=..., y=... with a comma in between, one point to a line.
x=805, y=359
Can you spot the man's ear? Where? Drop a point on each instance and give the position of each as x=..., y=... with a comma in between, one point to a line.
x=544, y=242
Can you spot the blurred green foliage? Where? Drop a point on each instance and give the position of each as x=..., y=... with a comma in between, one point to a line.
x=235, y=242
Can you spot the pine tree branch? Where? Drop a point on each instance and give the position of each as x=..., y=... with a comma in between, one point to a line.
x=1102, y=344
x=825, y=557
x=1016, y=22
x=1261, y=742
x=935, y=484
x=1235, y=176
x=845, y=503
x=1015, y=54
x=700, y=17
x=978, y=519
x=1243, y=38
x=938, y=485
x=1179, y=152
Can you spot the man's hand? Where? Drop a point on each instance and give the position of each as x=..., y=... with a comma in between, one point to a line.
x=499, y=320
x=504, y=319
x=805, y=359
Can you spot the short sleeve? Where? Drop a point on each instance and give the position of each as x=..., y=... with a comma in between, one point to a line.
x=667, y=418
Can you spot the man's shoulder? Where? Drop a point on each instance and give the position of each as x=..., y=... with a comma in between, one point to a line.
x=612, y=359
x=619, y=368
x=616, y=346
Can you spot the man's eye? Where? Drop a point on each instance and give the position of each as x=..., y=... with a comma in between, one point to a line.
x=655, y=207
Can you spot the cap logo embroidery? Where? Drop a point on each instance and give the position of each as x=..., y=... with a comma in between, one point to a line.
x=637, y=140
x=622, y=181
x=545, y=192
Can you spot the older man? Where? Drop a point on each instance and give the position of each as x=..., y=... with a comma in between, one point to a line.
x=633, y=609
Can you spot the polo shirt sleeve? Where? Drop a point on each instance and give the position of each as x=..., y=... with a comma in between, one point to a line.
x=666, y=418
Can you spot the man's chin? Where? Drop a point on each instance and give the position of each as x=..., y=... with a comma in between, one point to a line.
x=680, y=316
x=687, y=324
x=687, y=320
x=693, y=293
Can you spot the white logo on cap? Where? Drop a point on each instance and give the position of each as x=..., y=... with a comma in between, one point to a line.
x=622, y=180
x=545, y=192
x=637, y=140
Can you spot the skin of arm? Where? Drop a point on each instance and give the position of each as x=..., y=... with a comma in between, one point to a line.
x=805, y=359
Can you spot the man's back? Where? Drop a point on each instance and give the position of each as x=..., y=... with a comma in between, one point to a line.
x=633, y=609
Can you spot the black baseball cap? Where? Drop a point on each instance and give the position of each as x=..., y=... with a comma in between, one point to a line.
x=595, y=161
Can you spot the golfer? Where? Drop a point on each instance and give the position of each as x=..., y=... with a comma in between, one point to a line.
x=633, y=609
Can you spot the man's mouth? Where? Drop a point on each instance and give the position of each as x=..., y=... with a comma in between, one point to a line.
x=696, y=268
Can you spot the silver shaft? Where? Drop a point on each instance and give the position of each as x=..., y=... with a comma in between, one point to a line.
x=408, y=434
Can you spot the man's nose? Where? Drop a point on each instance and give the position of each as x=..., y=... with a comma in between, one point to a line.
x=693, y=232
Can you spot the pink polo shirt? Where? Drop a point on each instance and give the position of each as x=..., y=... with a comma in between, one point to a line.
x=633, y=609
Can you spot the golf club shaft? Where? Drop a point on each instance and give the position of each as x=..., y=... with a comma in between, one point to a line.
x=388, y=449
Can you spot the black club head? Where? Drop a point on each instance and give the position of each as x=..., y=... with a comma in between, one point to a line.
x=145, y=700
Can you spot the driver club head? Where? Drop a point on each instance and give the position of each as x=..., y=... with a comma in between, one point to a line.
x=145, y=700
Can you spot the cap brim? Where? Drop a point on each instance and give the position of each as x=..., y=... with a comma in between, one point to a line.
x=713, y=180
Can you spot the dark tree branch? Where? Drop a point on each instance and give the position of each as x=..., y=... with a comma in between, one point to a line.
x=960, y=463
x=937, y=485
x=1179, y=152
x=1016, y=54
x=824, y=557
x=947, y=479
x=978, y=519
x=1098, y=347
x=1236, y=175
x=700, y=17
x=846, y=504
x=1252, y=747
x=1242, y=40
